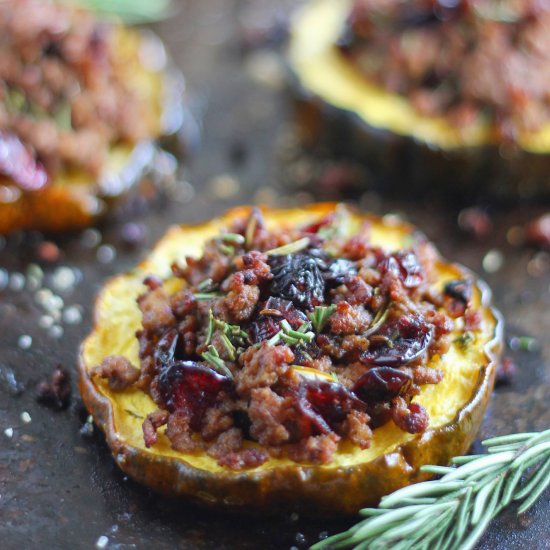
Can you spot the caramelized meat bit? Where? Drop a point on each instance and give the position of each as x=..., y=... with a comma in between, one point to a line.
x=262, y=367
x=412, y=419
x=151, y=424
x=178, y=431
x=56, y=392
x=348, y=319
x=356, y=428
x=118, y=371
x=228, y=442
x=156, y=311
x=244, y=460
x=268, y=413
x=317, y=449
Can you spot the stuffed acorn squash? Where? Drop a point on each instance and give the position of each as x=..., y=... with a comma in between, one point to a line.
x=447, y=95
x=83, y=103
x=308, y=359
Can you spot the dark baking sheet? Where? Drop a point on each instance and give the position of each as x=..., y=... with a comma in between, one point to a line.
x=59, y=488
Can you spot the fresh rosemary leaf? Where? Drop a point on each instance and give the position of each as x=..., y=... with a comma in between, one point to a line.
x=203, y=296
x=320, y=316
x=128, y=11
x=212, y=356
x=290, y=248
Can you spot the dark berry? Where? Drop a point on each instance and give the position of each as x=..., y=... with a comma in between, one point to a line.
x=56, y=392
x=337, y=271
x=298, y=278
x=406, y=267
x=268, y=322
x=460, y=289
x=190, y=386
x=398, y=342
x=381, y=384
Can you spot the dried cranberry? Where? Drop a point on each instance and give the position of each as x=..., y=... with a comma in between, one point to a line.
x=189, y=386
x=331, y=400
x=271, y=314
x=404, y=265
x=323, y=222
x=297, y=277
x=382, y=384
x=460, y=289
x=405, y=339
x=17, y=162
x=338, y=270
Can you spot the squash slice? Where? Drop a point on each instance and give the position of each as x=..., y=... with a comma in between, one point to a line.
x=73, y=198
x=337, y=105
x=355, y=477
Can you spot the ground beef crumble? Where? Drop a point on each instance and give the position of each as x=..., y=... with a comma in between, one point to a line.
x=466, y=60
x=318, y=339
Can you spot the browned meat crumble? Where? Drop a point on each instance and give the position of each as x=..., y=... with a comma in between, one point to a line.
x=63, y=99
x=294, y=338
x=464, y=59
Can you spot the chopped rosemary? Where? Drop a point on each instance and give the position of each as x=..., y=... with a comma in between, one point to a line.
x=226, y=249
x=378, y=321
x=203, y=296
x=213, y=357
x=320, y=316
x=234, y=238
x=290, y=336
x=230, y=348
x=452, y=512
x=290, y=248
x=231, y=332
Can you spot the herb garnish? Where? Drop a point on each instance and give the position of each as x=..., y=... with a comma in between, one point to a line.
x=289, y=248
x=320, y=316
x=203, y=296
x=213, y=357
x=232, y=332
x=453, y=512
x=292, y=337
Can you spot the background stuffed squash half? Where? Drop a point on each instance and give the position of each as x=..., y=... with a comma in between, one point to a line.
x=353, y=476
x=83, y=104
x=447, y=96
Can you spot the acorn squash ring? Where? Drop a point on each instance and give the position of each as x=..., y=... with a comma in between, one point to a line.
x=355, y=478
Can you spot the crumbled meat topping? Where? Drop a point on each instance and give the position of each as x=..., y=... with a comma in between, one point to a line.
x=319, y=339
x=468, y=59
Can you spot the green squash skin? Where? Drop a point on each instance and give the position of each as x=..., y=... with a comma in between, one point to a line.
x=403, y=164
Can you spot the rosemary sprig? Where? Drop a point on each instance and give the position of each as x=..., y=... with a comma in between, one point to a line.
x=290, y=336
x=320, y=316
x=234, y=333
x=129, y=11
x=452, y=512
x=213, y=357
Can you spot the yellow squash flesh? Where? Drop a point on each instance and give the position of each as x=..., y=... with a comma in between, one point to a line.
x=355, y=477
x=74, y=198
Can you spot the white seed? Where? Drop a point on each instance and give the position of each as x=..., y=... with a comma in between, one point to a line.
x=90, y=238
x=8, y=432
x=493, y=261
x=4, y=279
x=102, y=542
x=24, y=341
x=64, y=278
x=25, y=417
x=72, y=315
x=106, y=254
x=17, y=281
x=46, y=321
x=55, y=331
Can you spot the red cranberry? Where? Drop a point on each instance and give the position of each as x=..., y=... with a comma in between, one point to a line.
x=406, y=266
x=406, y=339
x=382, y=384
x=189, y=386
